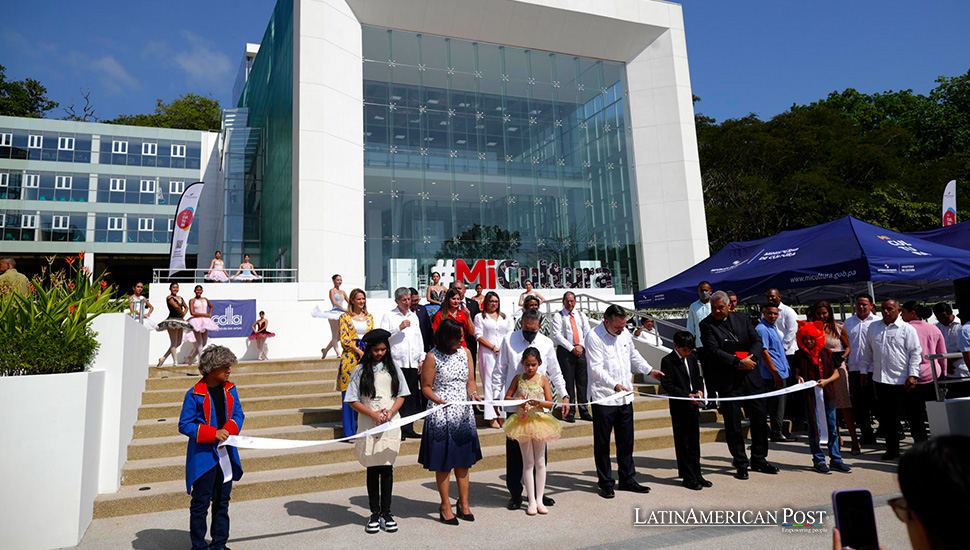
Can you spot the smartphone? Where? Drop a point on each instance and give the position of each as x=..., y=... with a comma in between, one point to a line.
x=855, y=518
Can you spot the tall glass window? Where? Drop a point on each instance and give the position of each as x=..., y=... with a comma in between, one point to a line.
x=479, y=151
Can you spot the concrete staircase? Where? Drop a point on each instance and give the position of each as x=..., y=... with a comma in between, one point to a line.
x=295, y=399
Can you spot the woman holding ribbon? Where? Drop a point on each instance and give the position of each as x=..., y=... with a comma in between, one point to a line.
x=450, y=440
x=353, y=324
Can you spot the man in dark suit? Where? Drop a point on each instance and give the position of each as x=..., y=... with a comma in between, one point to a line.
x=682, y=378
x=424, y=320
x=471, y=310
x=730, y=352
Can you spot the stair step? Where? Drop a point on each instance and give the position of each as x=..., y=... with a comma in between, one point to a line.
x=178, y=381
x=171, y=495
x=248, y=367
x=162, y=397
x=305, y=401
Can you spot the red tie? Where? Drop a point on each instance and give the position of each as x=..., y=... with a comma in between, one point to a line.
x=572, y=321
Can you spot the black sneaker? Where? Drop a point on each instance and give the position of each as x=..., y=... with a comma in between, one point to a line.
x=387, y=521
x=373, y=524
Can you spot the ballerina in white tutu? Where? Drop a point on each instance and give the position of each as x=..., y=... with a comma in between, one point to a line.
x=135, y=310
x=201, y=321
x=247, y=271
x=339, y=300
x=217, y=270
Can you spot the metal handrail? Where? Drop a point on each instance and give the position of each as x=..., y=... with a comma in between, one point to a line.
x=586, y=302
x=937, y=382
x=197, y=275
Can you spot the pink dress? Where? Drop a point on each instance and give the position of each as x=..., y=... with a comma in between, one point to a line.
x=202, y=324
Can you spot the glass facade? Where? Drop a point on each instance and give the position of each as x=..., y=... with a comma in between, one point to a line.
x=241, y=201
x=269, y=97
x=479, y=151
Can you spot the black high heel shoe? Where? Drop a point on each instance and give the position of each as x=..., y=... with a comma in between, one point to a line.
x=460, y=515
x=452, y=521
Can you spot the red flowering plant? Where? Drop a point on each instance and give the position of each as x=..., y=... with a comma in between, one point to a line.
x=48, y=330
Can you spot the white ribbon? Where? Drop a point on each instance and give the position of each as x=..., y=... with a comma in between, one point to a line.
x=775, y=393
x=820, y=419
x=244, y=442
x=224, y=463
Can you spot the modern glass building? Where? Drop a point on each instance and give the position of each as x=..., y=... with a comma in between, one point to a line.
x=108, y=190
x=399, y=135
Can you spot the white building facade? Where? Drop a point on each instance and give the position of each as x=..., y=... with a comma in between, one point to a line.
x=395, y=135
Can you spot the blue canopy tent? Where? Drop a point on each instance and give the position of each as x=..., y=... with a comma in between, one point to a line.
x=831, y=255
x=957, y=236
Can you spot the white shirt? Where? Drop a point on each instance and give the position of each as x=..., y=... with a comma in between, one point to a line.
x=611, y=360
x=493, y=330
x=509, y=364
x=891, y=353
x=787, y=325
x=562, y=329
x=964, y=345
x=695, y=314
x=407, y=346
x=951, y=336
x=651, y=336
x=856, y=329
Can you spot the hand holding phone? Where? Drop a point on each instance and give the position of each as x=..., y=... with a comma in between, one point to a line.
x=855, y=519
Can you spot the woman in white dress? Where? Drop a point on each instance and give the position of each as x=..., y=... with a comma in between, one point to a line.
x=339, y=300
x=247, y=271
x=529, y=291
x=217, y=270
x=135, y=309
x=491, y=328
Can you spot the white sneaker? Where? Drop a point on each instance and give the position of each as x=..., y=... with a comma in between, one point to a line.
x=373, y=524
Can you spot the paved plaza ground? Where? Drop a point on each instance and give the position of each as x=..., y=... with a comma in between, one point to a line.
x=580, y=518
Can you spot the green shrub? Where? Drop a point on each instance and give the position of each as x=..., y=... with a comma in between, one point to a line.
x=48, y=331
x=46, y=352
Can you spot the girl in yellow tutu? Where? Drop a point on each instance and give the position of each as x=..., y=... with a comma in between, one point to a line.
x=532, y=426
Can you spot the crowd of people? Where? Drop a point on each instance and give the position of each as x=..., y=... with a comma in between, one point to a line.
x=872, y=366
x=418, y=358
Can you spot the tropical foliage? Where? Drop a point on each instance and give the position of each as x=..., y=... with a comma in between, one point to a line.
x=883, y=158
x=48, y=331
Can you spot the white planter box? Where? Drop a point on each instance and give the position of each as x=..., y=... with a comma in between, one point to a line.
x=50, y=428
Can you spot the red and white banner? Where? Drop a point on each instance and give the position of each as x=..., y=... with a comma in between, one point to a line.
x=184, y=216
x=950, y=204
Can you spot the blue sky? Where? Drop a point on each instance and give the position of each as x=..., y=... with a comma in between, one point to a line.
x=746, y=56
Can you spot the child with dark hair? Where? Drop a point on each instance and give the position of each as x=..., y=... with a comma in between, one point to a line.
x=682, y=378
x=532, y=426
x=211, y=413
x=377, y=391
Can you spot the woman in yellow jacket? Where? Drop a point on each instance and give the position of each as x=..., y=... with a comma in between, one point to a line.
x=353, y=325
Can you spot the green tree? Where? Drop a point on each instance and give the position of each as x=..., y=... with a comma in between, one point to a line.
x=482, y=241
x=25, y=97
x=883, y=158
x=186, y=112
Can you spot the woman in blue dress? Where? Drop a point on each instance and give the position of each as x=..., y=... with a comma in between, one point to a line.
x=450, y=439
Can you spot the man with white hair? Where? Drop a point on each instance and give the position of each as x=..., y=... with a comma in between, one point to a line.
x=407, y=352
x=731, y=349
